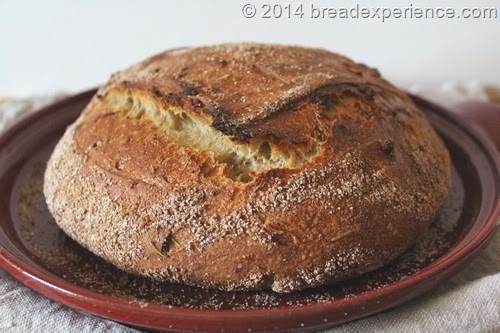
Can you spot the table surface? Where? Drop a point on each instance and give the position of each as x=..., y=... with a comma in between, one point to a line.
x=469, y=302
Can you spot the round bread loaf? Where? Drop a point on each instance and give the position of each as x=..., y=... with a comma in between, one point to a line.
x=248, y=166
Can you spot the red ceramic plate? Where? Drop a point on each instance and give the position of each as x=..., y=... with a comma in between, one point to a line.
x=37, y=253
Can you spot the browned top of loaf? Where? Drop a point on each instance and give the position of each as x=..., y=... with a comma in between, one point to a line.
x=246, y=88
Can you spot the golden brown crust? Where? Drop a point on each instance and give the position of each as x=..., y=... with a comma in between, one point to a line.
x=315, y=169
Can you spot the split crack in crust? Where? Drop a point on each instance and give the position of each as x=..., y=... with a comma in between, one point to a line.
x=243, y=159
x=167, y=172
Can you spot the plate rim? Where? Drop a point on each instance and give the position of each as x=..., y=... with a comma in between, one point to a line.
x=69, y=294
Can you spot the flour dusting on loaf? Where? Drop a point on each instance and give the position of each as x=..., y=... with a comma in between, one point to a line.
x=248, y=166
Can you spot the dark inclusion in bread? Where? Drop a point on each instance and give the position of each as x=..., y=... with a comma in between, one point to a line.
x=247, y=166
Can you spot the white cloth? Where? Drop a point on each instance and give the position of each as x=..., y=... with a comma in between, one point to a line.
x=469, y=302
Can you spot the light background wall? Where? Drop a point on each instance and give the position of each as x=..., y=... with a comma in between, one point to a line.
x=48, y=46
